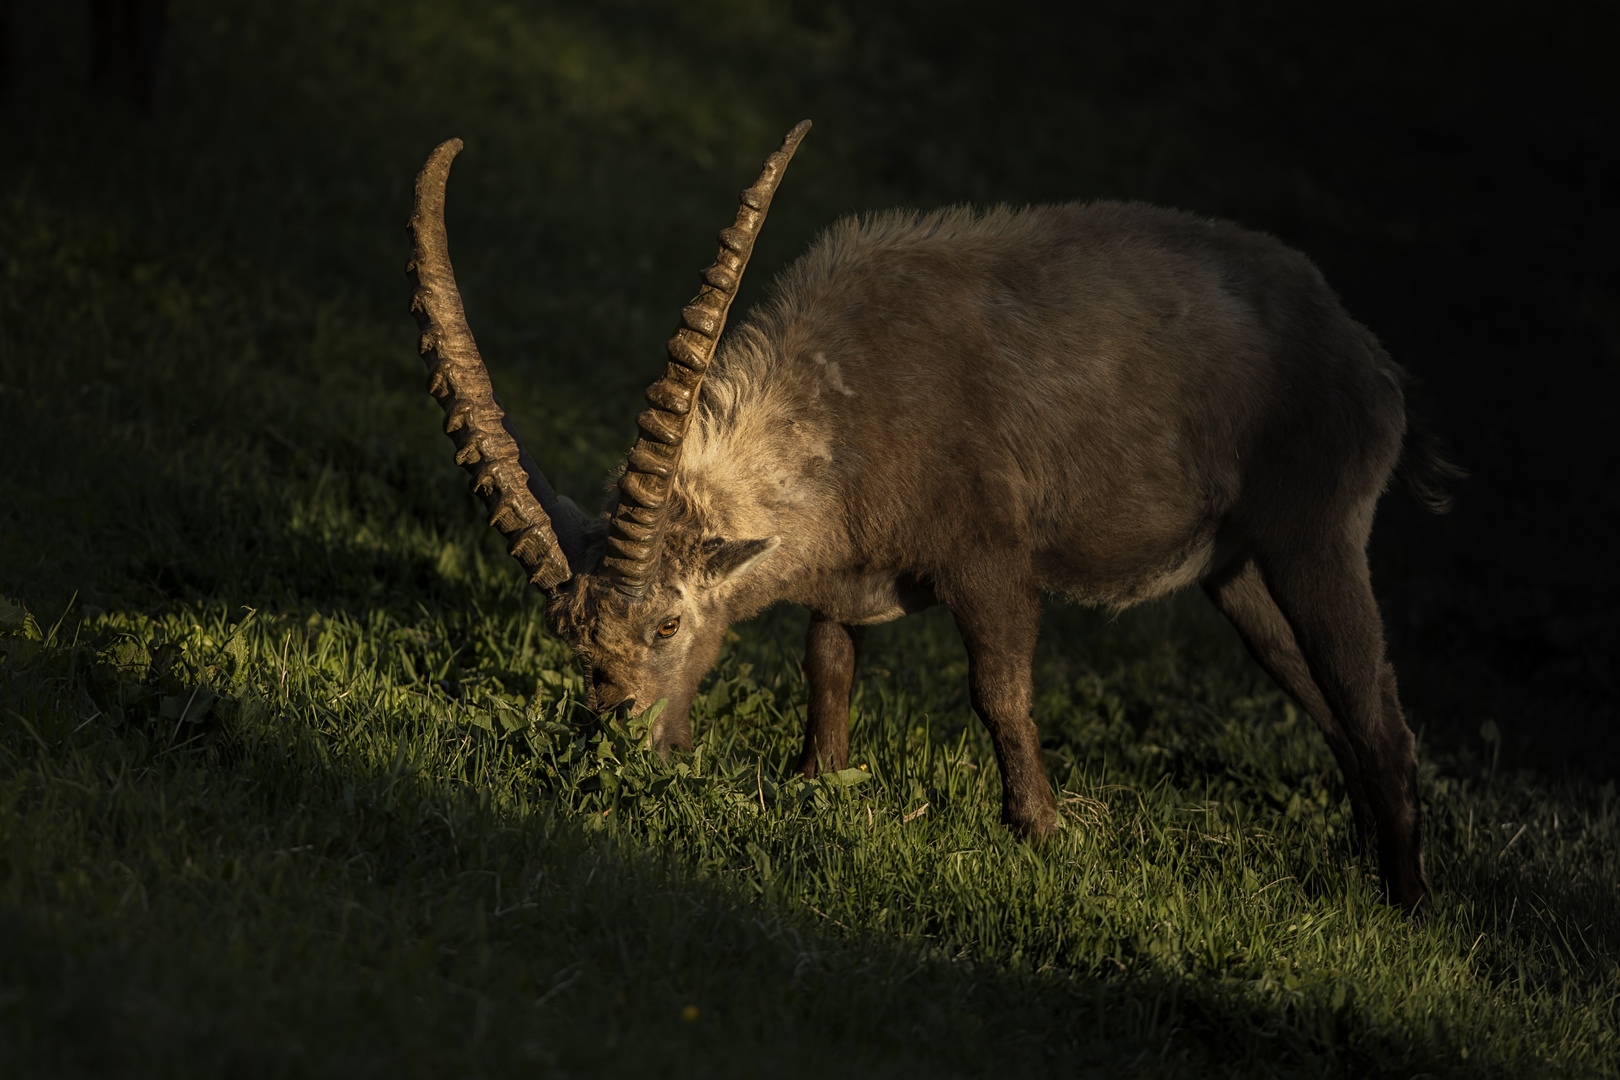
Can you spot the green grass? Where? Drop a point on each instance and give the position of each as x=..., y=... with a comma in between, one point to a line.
x=292, y=781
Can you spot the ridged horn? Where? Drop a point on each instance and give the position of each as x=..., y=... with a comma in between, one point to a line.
x=632, y=543
x=521, y=502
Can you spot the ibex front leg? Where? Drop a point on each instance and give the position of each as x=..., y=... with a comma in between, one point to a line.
x=830, y=652
x=999, y=629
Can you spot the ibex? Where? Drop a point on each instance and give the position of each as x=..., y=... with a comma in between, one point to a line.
x=1106, y=401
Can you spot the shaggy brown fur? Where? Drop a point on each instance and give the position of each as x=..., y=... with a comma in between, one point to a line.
x=1106, y=401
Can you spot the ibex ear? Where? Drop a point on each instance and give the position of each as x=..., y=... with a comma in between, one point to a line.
x=579, y=518
x=733, y=558
x=589, y=533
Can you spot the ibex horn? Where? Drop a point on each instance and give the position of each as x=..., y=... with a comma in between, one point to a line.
x=522, y=504
x=633, y=539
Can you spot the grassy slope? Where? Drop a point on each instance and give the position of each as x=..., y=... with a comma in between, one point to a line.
x=295, y=785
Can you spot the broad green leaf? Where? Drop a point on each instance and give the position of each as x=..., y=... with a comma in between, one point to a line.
x=16, y=619
x=189, y=708
x=848, y=777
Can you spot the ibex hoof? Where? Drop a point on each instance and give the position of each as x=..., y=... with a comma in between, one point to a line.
x=1036, y=826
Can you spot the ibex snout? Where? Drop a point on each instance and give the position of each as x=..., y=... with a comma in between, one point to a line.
x=608, y=697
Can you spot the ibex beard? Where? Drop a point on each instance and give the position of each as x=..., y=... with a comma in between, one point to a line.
x=1106, y=401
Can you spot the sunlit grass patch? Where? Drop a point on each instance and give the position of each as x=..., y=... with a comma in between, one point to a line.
x=400, y=802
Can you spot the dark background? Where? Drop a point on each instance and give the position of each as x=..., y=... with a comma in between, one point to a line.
x=1449, y=165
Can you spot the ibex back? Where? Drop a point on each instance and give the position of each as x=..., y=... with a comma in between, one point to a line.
x=1107, y=401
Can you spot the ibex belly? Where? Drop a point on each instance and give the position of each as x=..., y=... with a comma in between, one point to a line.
x=1107, y=583
x=866, y=599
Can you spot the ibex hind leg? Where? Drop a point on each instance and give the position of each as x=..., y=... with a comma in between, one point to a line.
x=1324, y=592
x=999, y=623
x=831, y=650
x=1241, y=596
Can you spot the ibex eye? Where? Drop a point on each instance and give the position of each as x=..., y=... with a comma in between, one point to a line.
x=669, y=628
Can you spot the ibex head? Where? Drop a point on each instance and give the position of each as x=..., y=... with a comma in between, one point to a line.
x=642, y=597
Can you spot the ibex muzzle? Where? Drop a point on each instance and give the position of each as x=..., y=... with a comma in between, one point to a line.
x=1107, y=401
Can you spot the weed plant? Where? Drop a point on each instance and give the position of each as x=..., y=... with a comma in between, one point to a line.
x=294, y=783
